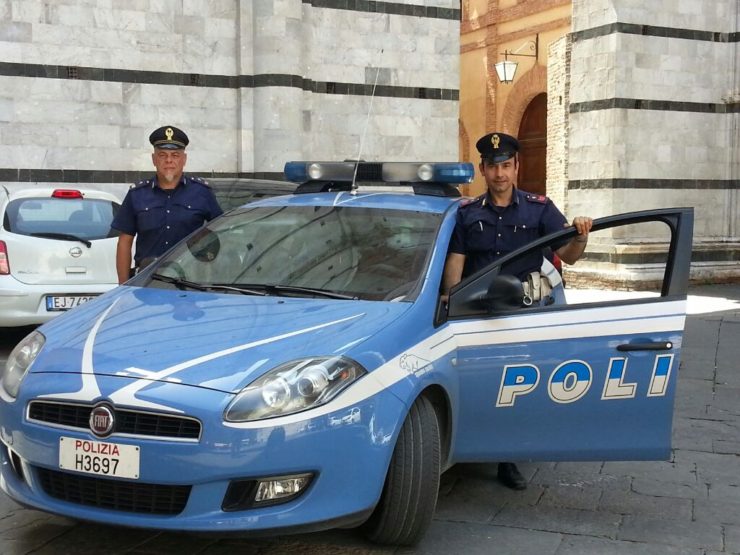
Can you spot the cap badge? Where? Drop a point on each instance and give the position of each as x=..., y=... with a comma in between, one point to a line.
x=169, y=133
x=495, y=140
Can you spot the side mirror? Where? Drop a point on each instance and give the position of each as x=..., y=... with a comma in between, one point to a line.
x=506, y=292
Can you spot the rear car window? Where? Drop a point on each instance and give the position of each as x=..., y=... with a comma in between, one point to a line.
x=83, y=218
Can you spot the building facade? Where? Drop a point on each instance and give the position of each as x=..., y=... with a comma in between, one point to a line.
x=254, y=83
x=642, y=110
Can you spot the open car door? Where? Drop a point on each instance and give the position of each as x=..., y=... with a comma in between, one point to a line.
x=591, y=378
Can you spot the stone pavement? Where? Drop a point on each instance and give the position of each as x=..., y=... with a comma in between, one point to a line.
x=689, y=505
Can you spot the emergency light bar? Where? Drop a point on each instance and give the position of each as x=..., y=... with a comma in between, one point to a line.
x=380, y=172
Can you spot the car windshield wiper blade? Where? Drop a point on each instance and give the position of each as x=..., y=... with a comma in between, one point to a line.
x=309, y=290
x=180, y=283
x=63, y=237
x=236, y=289
x=280, y=289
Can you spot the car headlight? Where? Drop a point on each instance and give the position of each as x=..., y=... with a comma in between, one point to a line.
x=293, y=387
x=20, y=361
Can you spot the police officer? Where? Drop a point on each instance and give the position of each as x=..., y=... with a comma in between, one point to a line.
x=162, y=210
x=501, y=221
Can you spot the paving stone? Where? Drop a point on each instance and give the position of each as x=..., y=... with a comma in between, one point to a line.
x=470, y=500
x=646, y=506
x=661, y=471
x=333, y=543
x=583, y=545
x=693, y=397
x=31, y=539
x=725, y=403
x=481, y=539
x=717, y=512
x=728, y=353
x=726, y=447
x=724, y=493
x=23, y=523
x=712, y=468
x=93, y=539
x=572, y=496
x=732, y=539
x=171, y=543
x=669, y=489
x=573, y=473
x=562, y=520
x=696, y=434
x=679, y=533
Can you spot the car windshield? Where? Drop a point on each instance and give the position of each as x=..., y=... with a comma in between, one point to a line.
x=61, y=218
x=314, y=251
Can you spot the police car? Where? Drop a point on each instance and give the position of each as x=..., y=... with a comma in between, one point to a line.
x=290, y=367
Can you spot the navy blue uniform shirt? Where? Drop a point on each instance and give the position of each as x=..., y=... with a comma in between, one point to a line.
x=485, y=232
x=160, y=218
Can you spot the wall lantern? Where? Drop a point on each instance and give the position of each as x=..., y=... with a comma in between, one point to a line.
x=507, y=69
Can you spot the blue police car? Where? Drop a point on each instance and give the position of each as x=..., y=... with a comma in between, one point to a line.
x=290, y=366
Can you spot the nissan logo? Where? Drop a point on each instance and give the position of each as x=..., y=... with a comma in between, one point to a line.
x=75, y=252
x=101, y=421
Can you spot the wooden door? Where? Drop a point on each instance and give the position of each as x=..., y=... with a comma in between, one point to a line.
x=533, y=146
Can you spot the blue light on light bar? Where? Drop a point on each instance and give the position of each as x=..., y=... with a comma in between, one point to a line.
x=297, y=172
x=462, y=172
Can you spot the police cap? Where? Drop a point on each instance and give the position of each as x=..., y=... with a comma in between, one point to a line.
x=169, y=137
x=497, y=147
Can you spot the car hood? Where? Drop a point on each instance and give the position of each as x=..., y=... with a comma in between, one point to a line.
x=218, y=341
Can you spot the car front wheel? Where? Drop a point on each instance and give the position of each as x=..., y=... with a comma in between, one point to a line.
x=406, y=506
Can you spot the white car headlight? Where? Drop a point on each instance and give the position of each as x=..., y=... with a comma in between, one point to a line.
x=293, y=387
x=20, y=361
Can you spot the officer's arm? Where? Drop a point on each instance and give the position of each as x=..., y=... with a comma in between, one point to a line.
x=123, y=256
x=453, y=272
x=572, y=251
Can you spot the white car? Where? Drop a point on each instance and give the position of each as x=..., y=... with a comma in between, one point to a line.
x=57, y=251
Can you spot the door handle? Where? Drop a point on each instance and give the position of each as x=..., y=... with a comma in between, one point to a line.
x=650, y=346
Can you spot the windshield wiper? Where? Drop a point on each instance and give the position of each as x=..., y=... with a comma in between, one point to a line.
x=180, y=283
x=308, y=290
x=63, y=237
x=280, y=290
x=242, y=290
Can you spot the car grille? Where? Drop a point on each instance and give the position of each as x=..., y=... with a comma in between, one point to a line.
x=116, y=495
x=127, y=421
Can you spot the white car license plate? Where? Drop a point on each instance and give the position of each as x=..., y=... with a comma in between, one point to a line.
x=99, y=457
x=65, y=302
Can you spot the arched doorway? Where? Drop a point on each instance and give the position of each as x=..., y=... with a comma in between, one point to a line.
x=533, y=146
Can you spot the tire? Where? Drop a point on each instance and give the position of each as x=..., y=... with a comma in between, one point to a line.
x=409, y=497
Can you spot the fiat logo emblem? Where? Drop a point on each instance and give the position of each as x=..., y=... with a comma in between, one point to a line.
x=75, y=252
x=101, y=421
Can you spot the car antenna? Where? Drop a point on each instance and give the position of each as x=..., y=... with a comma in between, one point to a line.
x=353, y=189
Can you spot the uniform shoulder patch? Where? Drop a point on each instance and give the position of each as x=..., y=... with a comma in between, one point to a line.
x=143, y=183
x=540, y=199
x=468, y=201
x=199, y=180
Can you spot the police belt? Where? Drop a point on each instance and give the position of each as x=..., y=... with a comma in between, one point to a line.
x=536, y=288
x=141, y=265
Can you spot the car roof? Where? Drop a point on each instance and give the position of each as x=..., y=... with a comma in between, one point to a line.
x=47, y=191
x=250, y=182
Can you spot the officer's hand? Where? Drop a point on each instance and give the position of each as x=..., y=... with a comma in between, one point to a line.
x=582, y=224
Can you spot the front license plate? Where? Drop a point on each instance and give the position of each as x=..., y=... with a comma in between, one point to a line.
x=99, y=457
x=65, y=302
